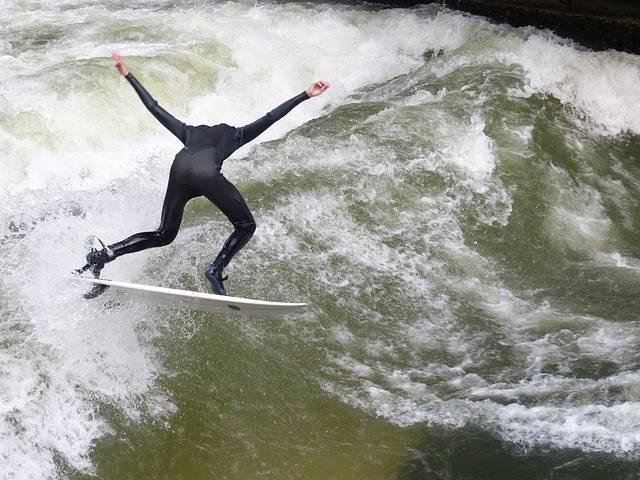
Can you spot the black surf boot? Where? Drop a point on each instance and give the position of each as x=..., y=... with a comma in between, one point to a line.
x=96, y=260
x=214, y=275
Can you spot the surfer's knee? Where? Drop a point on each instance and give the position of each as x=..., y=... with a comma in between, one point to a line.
x=247, y=226
x=166, y=235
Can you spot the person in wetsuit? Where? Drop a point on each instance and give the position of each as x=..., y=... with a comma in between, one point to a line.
x=196, y=172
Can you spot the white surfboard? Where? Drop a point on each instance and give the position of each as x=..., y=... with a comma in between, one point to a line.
x=197, y=300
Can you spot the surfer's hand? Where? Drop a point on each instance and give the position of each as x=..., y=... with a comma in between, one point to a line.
x=122, y=68
x=317, y=87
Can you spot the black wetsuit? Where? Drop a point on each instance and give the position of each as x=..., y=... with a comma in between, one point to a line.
x=196, y=172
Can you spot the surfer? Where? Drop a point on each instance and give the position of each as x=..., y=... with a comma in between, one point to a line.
x=196, y=172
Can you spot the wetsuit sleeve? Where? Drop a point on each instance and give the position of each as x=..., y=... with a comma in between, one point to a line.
x=175, y=126
x=249, y=132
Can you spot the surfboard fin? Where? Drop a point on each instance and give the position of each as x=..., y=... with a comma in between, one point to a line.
x=96, y=291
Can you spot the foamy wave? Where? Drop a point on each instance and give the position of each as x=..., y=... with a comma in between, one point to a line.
x=83, y=156
x=603, y=86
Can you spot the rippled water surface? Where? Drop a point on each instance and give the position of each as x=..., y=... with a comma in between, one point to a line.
x=460, y=210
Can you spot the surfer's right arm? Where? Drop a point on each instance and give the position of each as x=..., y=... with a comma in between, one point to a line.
x=175, y=126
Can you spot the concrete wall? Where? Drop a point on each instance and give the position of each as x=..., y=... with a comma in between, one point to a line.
x=596, y=24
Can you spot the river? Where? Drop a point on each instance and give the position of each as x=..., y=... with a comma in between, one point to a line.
x=461, y=211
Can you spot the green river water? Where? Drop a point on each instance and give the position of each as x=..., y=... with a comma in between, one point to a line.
x=461, y=211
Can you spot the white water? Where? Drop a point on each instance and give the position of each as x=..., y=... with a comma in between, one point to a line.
x=80, y=155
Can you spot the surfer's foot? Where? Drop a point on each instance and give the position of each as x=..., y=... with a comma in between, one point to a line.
x=97, y=257
x=214, y=275
x=96, y=260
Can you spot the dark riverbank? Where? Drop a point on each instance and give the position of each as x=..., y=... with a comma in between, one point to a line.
x=596, y=24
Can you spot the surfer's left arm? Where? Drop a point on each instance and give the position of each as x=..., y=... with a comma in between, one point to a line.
x=175, y=126
x=252, y=130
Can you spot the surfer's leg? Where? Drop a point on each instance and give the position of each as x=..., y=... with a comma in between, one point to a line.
x=224, y=195
x=174, y=202
x=172, y=209
x=175, y=199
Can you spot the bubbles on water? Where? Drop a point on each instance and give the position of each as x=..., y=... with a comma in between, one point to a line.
x=374, y=200
x=578, y=217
